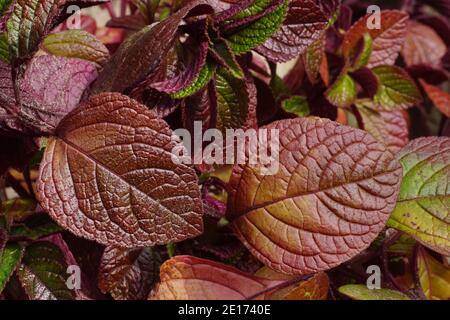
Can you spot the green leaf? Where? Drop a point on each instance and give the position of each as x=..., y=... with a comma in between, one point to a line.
x=34, y=228
x=232, y=100
x=31, y=20
x=342, y=92
x=434, y=277
x=361, y=58
x=259, y=31
x=43, y=272
x=423, y=205
x=221, y=49
x=4, y=47
x=202, y=80
x=297, y=105
x=312, y=58
x=361, y=292
x=76, y=44
x=4, y=4
x=396, y=90
x=17, y=210
x=9, y=259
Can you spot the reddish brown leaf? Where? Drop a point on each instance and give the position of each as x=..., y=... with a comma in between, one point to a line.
x=142, y=53
x=422, y=45
x=332, y=195
x=315, y=288
x=128, y=274
x=304, y=24
x=108, y=176
x=190, y=278
x=441, y=99
x=387, y=41
x=389, y=128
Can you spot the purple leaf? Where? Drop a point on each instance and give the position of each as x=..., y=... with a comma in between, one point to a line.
x=143, y=52
x=304, y=24
x=187, y=77
x=52, y=87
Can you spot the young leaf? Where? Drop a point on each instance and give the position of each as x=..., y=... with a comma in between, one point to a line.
x=112, y=157
x=305, y=23
x=201, y=80
x=396, y=90
x=297, y=105
x=315, y=288
x=52, y=87
x=129, y=274
x=361, y=292
x=422, y=45
x=257, y=32
x=142, y=53
x=221, y=51
x=423, y=206
x=10, y=257
x=342, y=92
x=43, y=272
x=190, y=278
x=76, y=44
x=389, y=128
x=331, y=196
x=233, y=100
x=440, y=99
x=189, y=77
x=387, y=40
x=313, y=57
x=363, y=52
x=434, y=277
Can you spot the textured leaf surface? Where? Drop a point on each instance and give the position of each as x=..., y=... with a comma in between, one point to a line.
x=396, y=90
x=332, y=195
x=9, y=120
x=76, y=44
x=129, y=274
x=222, y=52
x=440, y=98
x=387, y=41
x=423, y=207
x=313, y=57
x=189, y=76
x=9, y=259
x=32, y=20
x=361, y=292
x=434, y=277
x=257, y=32
x=389, y=128
x=108, y=176
x=315, y=288
x=342, y=92
x=304, y=24
x=52, y=87
x=200, y=81
x=43, y=272
x=233, y=101
x=190, y=278
x=4, y=47
x=297, y=105
x=141, y=54
x=422, y=45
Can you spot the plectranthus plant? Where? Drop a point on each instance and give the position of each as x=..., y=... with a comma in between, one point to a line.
x=95, y=205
